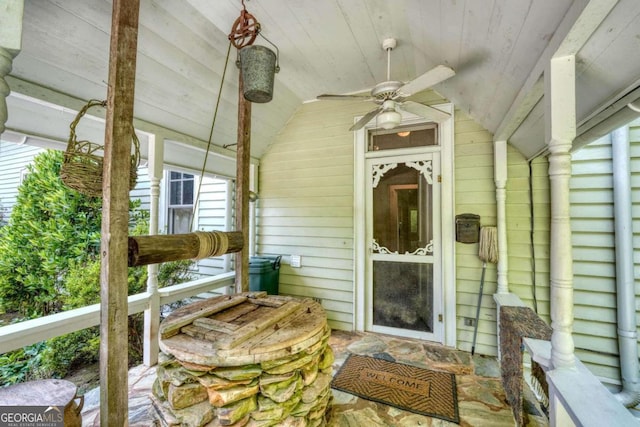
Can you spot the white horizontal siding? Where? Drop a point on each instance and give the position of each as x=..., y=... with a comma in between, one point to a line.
x=594, y=256
x=213, y=216
x=593, y=239
x=14, y=159
x=142, y=189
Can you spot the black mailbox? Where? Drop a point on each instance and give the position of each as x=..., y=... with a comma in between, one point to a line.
x=467, y=228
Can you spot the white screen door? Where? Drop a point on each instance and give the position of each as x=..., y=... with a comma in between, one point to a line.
x=404, y=286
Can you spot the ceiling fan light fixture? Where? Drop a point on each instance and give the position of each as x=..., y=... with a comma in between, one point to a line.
x=389, y=119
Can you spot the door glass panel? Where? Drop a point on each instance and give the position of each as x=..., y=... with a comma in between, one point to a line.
x=402, y=199
x=402, y=245
x=403, y=137
x=403, y=295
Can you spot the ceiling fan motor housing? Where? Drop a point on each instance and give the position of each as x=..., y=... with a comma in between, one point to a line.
x=386, y=90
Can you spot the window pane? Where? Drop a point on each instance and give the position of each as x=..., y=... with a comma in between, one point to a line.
x=175, y=193
x=175, y=175
x=408, y=137
x=187, y=192
x=401, y=206
x=179, y=220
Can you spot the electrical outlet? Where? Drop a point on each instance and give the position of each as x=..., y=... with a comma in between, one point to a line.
x=468, y=321
x=295, y=261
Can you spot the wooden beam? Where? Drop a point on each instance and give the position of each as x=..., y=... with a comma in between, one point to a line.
x=580, y=21
x=154, y=249
x=115, y=214
x=242, y=188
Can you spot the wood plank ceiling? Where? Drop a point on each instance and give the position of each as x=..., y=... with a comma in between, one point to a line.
x=328, y=46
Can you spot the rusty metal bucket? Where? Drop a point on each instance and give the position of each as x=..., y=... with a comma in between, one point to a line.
x=258, y=68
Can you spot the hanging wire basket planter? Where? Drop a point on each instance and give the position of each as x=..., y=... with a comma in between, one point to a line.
x=83, y=160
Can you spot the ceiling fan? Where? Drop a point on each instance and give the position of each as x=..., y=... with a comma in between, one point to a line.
x=390, y=95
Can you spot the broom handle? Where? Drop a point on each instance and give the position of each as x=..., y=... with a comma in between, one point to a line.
x=475, y=328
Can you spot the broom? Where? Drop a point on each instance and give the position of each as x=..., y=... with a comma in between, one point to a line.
x=487, y=252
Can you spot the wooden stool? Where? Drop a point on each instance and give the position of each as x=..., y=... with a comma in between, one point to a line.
x=52, y=392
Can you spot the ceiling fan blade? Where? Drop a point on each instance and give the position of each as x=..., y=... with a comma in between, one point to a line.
x=425, y=111
x=425, y=81
x=330, y=97
x=365, y=119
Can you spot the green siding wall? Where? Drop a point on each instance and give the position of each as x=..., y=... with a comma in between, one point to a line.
x=474, y=193
x=306, y=205
x=532, y=288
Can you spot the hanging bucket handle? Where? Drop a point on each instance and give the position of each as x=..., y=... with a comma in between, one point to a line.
x=276, y=48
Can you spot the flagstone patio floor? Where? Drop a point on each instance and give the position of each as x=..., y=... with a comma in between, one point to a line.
x=481, y=398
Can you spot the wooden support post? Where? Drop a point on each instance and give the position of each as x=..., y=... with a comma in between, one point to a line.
x=115, y=214
x=242, y=188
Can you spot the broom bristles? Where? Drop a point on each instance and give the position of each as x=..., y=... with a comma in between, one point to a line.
x=488, y=246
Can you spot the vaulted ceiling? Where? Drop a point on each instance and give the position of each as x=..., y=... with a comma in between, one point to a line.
x=498, y=49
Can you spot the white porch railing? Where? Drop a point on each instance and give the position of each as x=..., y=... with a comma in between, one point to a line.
x=29, y=332
x=576, y=396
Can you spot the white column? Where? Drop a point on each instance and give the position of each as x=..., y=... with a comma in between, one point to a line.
x=10, y=45
x=152, y=313
x=560, y=131
x=500, y=177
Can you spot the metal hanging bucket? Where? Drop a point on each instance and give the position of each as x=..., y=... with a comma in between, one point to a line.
x=258, y=67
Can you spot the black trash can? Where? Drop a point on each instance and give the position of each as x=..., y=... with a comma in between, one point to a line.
x=264, y=273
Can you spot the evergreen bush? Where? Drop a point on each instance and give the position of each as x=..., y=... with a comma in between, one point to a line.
x=49, y=263
x=50, y=226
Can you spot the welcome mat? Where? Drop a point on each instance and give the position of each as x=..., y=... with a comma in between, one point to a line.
x=422, y=391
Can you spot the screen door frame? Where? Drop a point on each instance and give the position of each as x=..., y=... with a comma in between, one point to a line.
x=447, y=204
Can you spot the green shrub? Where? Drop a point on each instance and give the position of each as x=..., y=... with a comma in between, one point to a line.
x=49, y=263
x=20, y=365
x=82, y=288
x=50, y=227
